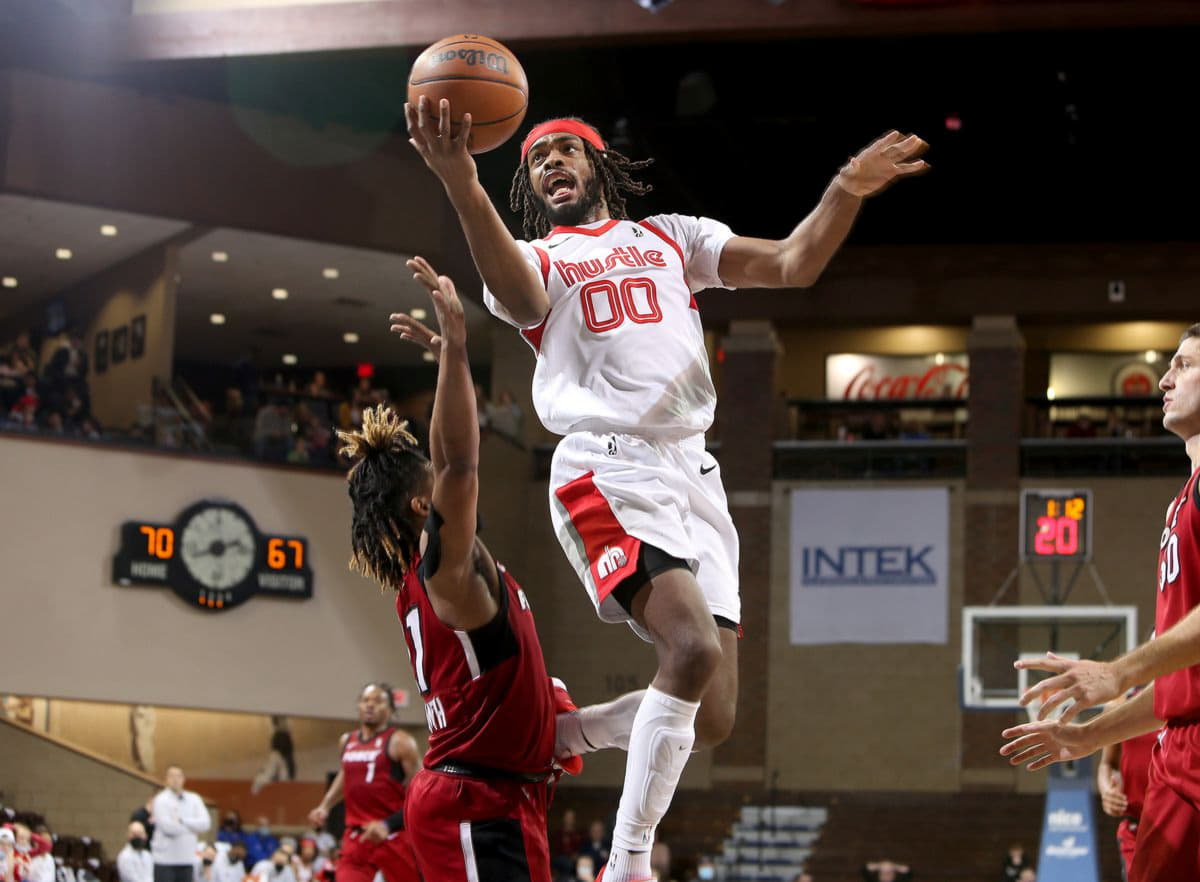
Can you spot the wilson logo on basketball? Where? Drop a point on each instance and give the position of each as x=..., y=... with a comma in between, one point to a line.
x=610, y=562
x=630, y=256
x=474, y=57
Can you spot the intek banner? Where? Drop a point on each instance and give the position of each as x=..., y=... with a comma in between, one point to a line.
x=1068, y=832
x=870, y=566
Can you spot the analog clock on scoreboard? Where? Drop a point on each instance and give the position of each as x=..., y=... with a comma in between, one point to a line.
x=213, y=556
x=1056, y=524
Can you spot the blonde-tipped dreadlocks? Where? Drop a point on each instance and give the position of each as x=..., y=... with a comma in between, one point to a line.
x=388, y=468
x=612, y=169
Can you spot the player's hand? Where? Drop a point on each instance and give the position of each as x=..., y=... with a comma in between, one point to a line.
x=318, y=816
x=1112, y=793
x=416, y=332
x=1045, y=742
x=376, y=831
x=452, y=320
x=1087, y=683
x=429, y=131
x=878, y=165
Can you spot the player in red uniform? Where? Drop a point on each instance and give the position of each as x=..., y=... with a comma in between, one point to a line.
x=1168, y=837
x=477, y=811
x=377, y=760
x=1121, y=779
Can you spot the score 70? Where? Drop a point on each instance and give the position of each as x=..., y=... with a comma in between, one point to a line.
x=277, y=550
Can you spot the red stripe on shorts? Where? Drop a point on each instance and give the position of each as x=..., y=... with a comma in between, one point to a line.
x=611, y=552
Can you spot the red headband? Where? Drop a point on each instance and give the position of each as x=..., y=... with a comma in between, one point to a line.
x=563, y=127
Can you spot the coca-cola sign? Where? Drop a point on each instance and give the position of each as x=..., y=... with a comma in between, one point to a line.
x=896, y=377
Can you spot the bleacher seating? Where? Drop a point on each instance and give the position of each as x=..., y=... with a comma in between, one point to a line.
x=771, y=843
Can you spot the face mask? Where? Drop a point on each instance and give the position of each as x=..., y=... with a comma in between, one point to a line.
x=264, y=831
x=279, y=868
x=707, y=872
x=207, y=862
x=139, y=843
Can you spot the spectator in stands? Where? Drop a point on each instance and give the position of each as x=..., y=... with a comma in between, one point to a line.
x=179, y=815
x=1029, y=874
x=8, y=854
x=277, y=869
x=585, y=868
x=597, y=844
x=1014, y=863
x=706, y=869
x=324, y=839
x=231, y=427
x=231, y=828
x=134, y=863
x=319, y=387
x=886, y=871
x=41, y=861
x=272, y=430
x=206, y=870
x=25, y=409
x=803, y=877
x=570, y=840
x=231, y=864
x=307, y=864
x=261, y=843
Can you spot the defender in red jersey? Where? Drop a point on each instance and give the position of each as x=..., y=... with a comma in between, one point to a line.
x=377, y=761
x=477, y=811
x=1168, y=836
x=1121, y=779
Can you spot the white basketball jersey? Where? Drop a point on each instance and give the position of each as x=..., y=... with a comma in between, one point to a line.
x=622, y=349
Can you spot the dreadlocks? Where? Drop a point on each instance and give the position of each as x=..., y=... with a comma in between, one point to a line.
x=612, y=169
x=388, y=466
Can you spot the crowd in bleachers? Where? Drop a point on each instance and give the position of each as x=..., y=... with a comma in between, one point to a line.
x=30, y=852
x=51, y=397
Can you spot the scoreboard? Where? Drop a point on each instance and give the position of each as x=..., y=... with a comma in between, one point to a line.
x=1056, y=525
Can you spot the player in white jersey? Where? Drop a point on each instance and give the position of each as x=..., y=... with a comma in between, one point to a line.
x=622, y=372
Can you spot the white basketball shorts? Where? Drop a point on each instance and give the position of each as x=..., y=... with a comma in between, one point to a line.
x=609, y=493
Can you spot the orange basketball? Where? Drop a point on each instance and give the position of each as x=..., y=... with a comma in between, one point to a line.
x=479, y=76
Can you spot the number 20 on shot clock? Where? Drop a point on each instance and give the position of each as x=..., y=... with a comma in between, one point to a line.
x=1056, y=525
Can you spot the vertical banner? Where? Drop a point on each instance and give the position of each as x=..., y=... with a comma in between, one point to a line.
x=1068, y=832
x=870, y=566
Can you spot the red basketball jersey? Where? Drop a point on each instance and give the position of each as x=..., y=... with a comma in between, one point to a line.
x=374, y=784
x=1177, y=695
x=1135, y=770
x=487, y=698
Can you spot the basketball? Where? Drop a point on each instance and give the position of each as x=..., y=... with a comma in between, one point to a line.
x=478, y=76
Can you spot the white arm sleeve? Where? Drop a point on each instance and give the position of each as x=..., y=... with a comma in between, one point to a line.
x=495, y=307
x=701, y=239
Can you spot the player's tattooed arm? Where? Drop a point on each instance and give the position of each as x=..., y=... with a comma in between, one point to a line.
x=459, y=597
x=497, y=257
x=799, y=260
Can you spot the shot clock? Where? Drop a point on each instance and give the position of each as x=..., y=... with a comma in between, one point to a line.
x=1056, y=525
x=213, y=556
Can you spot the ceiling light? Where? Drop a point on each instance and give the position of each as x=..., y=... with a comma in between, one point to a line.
x=63, y=253
x=108, y=230
x=280, y=294
x=290, y=359
x=217, y=318
x=330, y=272
x=1049, y=393
x=220, y=257
x=428, y=356
x=418, y=313
x=10, y=281
x=350, y=337
x=940, y=358
x=1151, y=356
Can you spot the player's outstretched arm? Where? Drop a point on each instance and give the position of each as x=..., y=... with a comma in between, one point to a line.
x=1045, y=742
x=799, y=260
x=458, y=598
x=1089, y=683
x=497, y=257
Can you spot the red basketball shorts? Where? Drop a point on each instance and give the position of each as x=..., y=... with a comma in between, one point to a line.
x=1126, y=840
x=393, y=857
x=1168, y=835
x=472, y=830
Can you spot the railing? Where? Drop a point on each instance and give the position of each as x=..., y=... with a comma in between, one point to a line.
x=849, y=460
x=1054, y=457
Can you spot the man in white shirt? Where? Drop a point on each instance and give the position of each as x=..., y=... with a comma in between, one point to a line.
x=179, y=815
x=134, y=863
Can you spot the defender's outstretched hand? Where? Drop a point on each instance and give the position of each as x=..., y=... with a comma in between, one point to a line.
x=430, y=133
x=449, y=310
x=880, y=164
x=1045, y=742
x=1087, y=683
